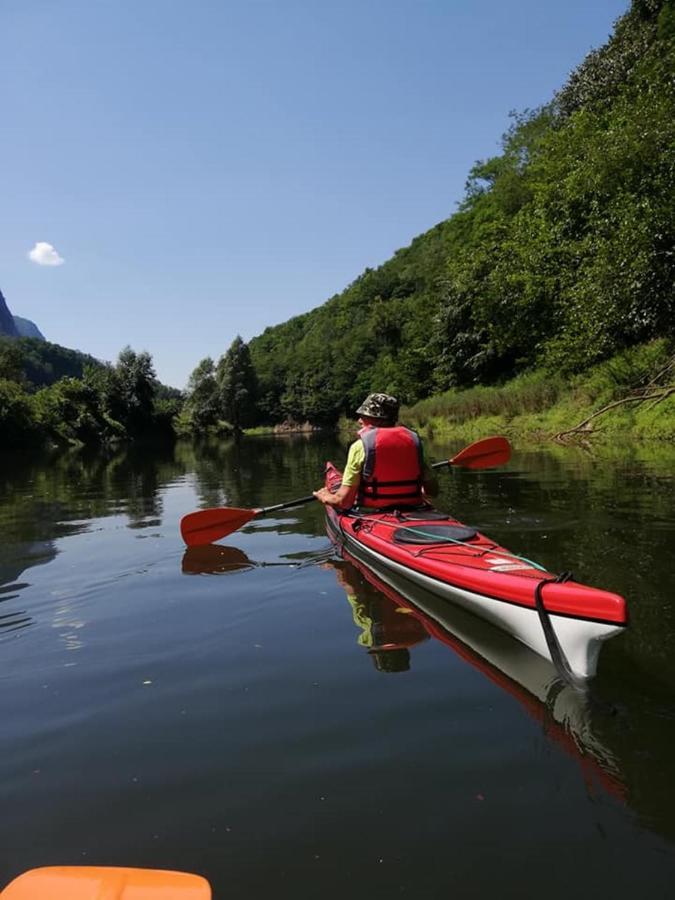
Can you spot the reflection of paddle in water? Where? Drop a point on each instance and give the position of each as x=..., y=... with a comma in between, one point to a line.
x=212, y=559
x=216, y=559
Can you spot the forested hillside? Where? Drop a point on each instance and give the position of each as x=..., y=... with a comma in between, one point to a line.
x=41, y=363
x=560, y=255
x=50, y=395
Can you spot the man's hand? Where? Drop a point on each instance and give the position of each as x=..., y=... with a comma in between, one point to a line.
x=324, y=495
x=344, y=496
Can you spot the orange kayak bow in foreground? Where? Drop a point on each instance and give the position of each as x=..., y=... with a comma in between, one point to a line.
x=106, y=883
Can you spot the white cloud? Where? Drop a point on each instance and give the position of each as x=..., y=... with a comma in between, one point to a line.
x=45, y=255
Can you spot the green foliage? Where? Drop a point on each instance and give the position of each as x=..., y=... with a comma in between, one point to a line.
x=200, y=412
x=530, y=393
x=539, y=404
x=11, y=361
x=237, y=385
x=44, y=363
x=17, y=425
x=70, y=411
x=104, y=404
x=133, y=386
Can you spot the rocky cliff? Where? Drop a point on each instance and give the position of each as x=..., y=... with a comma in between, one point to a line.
x=7, y=325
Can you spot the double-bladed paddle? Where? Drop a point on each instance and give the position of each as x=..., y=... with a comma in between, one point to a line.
x=208, y=525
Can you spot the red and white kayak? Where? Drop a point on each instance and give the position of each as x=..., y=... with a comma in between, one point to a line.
x=561, y=620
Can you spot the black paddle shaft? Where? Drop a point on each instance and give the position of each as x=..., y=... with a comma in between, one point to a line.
x=287, y=505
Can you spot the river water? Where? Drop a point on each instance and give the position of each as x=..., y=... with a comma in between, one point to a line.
x=228, y=711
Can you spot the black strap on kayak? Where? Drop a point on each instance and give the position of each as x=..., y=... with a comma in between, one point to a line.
x=555, y=650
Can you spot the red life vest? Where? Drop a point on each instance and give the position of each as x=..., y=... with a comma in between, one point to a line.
x=392, y=471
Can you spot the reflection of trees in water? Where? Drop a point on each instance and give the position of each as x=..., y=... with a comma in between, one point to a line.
x=48, y=497
x=51, y=497
x=256, y=471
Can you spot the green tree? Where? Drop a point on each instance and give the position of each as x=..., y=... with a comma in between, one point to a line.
x=133, y=390
x=17, y=424
x=70, y=412
x=237, y=385
x=11, y=360
x=201, y=404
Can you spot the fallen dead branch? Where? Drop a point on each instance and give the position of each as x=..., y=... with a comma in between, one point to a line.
x=652, y=393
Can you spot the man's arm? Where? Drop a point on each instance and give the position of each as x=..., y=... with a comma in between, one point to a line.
x=345, y=495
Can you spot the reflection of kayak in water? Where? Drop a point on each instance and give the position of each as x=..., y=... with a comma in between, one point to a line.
x=559, y=619
x=109, y=882
x=563, y=710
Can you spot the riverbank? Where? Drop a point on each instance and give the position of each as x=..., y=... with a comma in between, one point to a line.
x=283, y=428
x=630, y=396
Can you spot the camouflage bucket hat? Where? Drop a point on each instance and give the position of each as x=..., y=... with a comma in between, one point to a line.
x=379, y=406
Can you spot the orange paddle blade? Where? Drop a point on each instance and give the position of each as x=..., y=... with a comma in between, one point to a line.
x=208, y=525
x=492, y=451
x=105, y=883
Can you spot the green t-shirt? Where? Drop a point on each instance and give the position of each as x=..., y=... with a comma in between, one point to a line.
x=355, y=460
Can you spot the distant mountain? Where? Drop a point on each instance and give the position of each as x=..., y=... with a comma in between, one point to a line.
x=26, y=328
x=7, y=325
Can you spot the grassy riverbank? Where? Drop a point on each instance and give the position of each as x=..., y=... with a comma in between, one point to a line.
x=632, y=388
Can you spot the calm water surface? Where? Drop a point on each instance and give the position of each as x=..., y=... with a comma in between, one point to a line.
x=229, y=712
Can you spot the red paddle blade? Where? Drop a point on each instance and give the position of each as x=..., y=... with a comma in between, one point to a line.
x=208, y=525
x=493, y=451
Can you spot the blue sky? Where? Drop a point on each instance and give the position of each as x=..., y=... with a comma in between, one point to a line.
x=207, y=168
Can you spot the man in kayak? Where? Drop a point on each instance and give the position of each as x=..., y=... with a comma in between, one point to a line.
x=385, y=465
